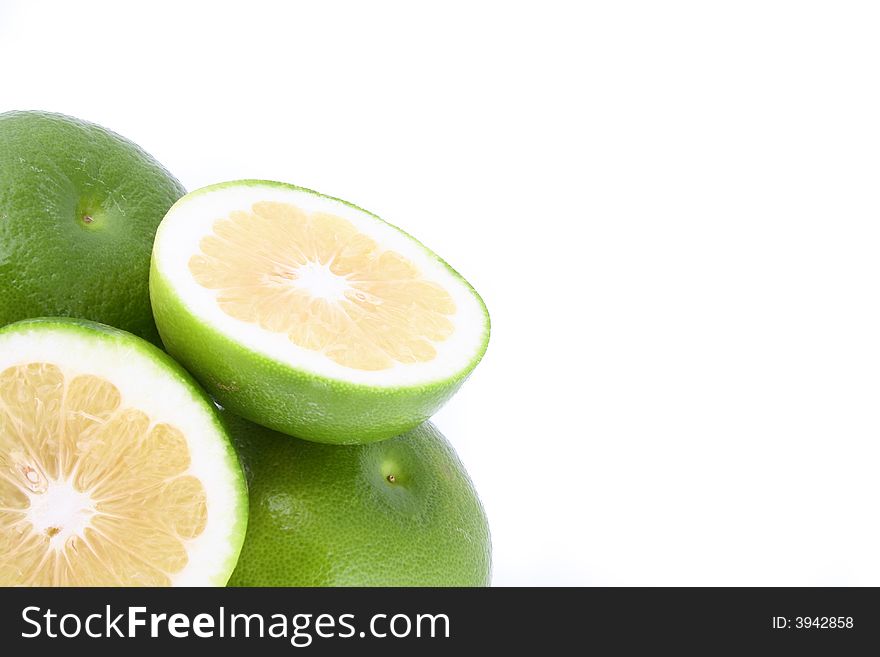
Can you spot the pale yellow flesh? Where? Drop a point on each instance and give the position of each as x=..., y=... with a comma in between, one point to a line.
x=384, y=311
x=62, y=432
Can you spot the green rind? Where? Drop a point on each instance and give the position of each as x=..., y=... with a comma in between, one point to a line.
x=94, y=331
x=326, y=515
x=290, y=399
x=53, y=170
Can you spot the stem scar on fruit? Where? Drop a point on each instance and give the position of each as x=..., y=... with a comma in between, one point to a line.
x=87, y=219
x=391, y=478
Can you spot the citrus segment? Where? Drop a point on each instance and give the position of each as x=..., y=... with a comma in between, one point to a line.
x=118, y=457
x=329, y=287
x=309, y=315
x=95, y=491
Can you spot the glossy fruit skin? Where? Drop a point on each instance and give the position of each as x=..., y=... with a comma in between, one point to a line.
x=286, y=398
x=401, y=512
x=79, y=208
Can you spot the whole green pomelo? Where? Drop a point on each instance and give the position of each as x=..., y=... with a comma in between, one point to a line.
x=79, y=208
x=401, y=512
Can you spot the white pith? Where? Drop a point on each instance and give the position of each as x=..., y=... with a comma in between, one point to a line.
x=192, y=218
x=59, y=508
x=320, y=282
x=148, y=386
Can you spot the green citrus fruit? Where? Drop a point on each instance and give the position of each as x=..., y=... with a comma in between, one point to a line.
x=114, y=467
x=401, y=512
x=79, y=207
x=309, y=315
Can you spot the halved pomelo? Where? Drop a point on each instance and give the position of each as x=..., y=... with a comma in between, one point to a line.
x=114, y=468
x=309, y=315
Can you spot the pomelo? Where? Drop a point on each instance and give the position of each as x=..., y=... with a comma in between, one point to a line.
x=401, y=512
x=114, y=467
x=79, y=207
x=309, y=315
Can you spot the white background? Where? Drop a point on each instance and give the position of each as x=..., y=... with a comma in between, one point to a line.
x=671, y=210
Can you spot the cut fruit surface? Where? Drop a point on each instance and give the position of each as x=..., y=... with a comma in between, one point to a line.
x=327, y=285
x=356, y=330
x=114, y=470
